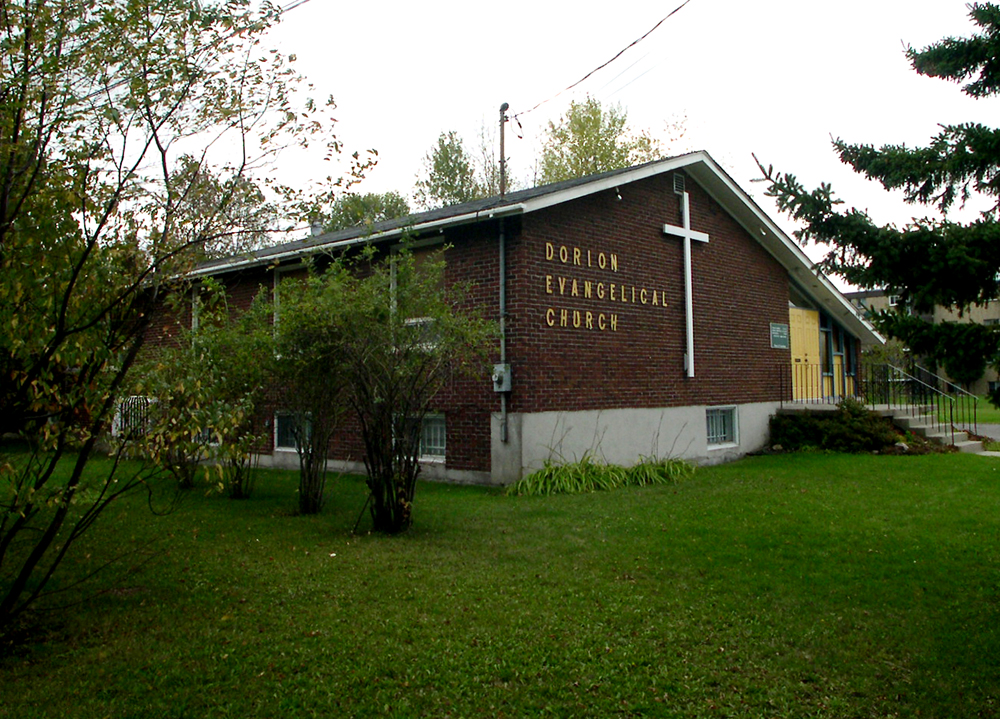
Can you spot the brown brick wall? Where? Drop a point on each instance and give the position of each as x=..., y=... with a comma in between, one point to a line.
x=637, y=360
x=738, y=290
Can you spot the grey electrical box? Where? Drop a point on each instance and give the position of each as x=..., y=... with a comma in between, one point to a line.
x=501, y=378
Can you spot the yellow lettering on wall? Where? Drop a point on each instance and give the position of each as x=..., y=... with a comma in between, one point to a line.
x=655, y=303
x=576, y=256
x=614, y=262
x=624, y=296
x=643, y=294
x=574, y=291
x=589, y=263
x=562, y=285
x=550, y=317
x=612, y=297
x=550, y=251
x=588, y=287
x=601, y=322
x=563, y=318
x=590, y=320
x=548, y=284
x=600, y=290
x=576, y=319
x=614, y=323
x=602, y=260
x=563, y=254
x=633, y=294
x=663, y=298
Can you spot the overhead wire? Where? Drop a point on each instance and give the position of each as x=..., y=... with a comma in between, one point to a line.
x=605, y=64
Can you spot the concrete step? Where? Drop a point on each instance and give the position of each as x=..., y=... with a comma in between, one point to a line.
x=924, y=425
x=970, y=446
x=943, y=437
x=913, y=422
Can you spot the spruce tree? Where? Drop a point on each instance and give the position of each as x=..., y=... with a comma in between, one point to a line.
x=929, y=262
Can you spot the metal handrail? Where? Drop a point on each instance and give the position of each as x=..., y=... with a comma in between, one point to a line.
x=918, y=401
x=962, y=395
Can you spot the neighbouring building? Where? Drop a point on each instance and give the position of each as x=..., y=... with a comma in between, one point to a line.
x=870, y=302
x=654, y=310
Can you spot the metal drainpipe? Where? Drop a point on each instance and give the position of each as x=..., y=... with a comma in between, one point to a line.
x=503, y=275
x=503, y=328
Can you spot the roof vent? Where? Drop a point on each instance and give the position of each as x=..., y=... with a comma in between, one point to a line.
x=678, y=183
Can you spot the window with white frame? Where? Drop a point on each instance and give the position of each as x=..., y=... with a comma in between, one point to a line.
x=424, y=333
x=131, y=417
x=285, y=428
x=433, y=434
x=721, y=425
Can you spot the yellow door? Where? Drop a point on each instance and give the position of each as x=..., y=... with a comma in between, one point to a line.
x=807, y=372
x=838, y=365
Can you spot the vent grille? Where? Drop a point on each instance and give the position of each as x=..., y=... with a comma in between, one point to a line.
x=678, y=184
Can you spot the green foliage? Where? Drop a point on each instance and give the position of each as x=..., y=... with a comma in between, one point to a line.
x=206, y=388
x=807, y=585
x=929, y=262
x=963, y=348
x=589, y=474
x=218, y=215
x=97, y=211
x=409, y=336
x=449, y=175
x=378, y=337
x=590, y=139
x=366, y=209
x=851, y=428
x=315, y=314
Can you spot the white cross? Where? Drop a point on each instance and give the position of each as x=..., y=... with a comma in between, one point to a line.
x=687, y=234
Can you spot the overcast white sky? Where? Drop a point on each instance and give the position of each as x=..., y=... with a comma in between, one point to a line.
x=771, y=77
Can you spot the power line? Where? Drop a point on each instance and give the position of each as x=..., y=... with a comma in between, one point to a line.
x=601, y=67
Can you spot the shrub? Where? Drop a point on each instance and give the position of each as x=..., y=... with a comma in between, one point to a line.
x=589, y=474
x=851, y=428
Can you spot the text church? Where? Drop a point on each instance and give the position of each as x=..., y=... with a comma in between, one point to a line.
x=650, y=311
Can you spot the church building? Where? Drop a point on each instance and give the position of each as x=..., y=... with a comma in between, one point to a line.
x=649, y=311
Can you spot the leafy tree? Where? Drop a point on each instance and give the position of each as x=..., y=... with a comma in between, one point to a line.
x=928, y=262
x=220, y=216
x=590, y=139
x=207, y=387
x=450, y=175
x=367, y=209
x=313, y=314
x=406, y=339
x=378, y=339
x=95, y=98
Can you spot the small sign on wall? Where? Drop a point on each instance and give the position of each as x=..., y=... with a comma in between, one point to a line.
x=779, y=336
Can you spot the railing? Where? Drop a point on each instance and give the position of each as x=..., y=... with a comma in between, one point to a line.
x=809, y=384
x=892, y=388
x=966, y=403
x=916, y=393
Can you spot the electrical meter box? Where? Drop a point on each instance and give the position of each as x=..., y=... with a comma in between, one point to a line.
x=501, y=378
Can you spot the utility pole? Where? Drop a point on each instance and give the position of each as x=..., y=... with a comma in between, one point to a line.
x=503, y=156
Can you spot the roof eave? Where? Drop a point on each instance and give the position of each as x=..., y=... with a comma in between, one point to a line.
x=240, y=263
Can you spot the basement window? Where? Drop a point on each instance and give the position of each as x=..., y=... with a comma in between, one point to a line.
x=721, y=426
x=433, y=434
x=284, y=431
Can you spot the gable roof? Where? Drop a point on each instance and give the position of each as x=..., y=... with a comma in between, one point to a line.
x=699, y=166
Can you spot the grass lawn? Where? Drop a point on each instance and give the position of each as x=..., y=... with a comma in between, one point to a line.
x=986, y=412
x=804, y=585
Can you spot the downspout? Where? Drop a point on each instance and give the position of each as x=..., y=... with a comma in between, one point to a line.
x=503, y=277
x=503, y=328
